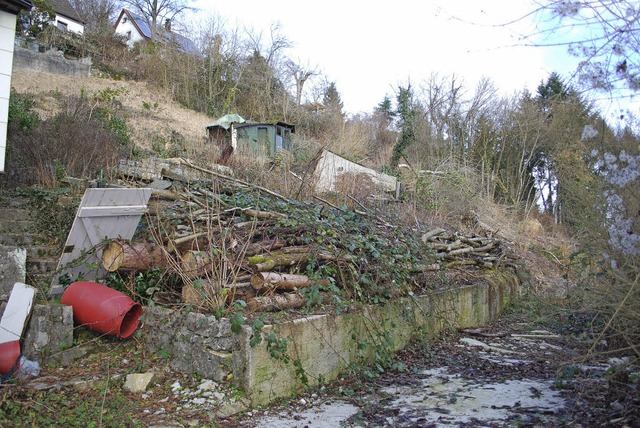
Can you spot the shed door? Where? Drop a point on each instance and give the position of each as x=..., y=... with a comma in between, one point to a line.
x=263, y=140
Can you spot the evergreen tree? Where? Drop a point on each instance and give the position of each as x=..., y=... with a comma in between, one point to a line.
x=406, y=117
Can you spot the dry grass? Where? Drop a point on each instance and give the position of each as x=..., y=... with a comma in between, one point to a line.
x=161, y=117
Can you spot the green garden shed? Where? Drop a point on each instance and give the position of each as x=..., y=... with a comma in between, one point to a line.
x=231, y=133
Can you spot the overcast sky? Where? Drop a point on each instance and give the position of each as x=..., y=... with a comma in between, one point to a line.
x=370, y=47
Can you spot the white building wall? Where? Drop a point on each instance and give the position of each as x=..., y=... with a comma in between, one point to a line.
x=7, y=37
x=330, y=166
x=70, y=24
x=129, y=30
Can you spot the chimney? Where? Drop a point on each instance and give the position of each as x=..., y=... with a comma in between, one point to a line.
x=167, y=24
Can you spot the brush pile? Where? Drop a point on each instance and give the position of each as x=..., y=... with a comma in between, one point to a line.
x=229, y=241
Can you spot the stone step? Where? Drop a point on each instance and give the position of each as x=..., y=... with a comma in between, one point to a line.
x=12, y=201
x=14, y=226
x=42, y=281
x=41, y=265
x=15, y=214
x=17, y=239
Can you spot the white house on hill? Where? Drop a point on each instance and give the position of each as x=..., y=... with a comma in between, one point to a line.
x=136, y=29
x=67, y=18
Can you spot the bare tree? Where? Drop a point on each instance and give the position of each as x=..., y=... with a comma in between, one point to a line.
x=98, y=15
x=157, y=10
x=603, y=34
x=300, y=75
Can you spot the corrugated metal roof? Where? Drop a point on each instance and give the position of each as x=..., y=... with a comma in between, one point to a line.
x=226, y=121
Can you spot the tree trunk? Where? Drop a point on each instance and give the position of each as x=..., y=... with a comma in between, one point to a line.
x=133, y=256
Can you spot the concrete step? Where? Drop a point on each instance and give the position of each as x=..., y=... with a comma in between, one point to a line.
x=12, y=201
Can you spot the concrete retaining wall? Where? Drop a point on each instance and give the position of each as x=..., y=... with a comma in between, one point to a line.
x=326, y=345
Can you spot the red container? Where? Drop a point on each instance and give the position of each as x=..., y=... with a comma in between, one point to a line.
x=102, y=309
x=9, y=356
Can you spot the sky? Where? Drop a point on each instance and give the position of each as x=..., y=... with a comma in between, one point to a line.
x=369, y=48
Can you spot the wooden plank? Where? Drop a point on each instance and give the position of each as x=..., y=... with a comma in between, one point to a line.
x=16, y=313
x=103, y=214
x=111, y=211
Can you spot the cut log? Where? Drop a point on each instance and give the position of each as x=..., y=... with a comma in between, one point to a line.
x=261, y=247
x=283, y=281
x=276, y=302
x=133, y=256
x=264, y=263
x=165, y=194
x=196, y=264
x=432, y=233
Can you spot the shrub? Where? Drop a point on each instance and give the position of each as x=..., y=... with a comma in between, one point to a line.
x=77, y=142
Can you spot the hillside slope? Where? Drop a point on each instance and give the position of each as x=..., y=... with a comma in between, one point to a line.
x=150, y=112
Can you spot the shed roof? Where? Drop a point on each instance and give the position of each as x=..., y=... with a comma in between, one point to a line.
x=285, y=125
x=226, y=121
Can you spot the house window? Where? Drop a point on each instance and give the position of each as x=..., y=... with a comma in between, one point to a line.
x=62, y=25
x=128, y=35
x=124, y=19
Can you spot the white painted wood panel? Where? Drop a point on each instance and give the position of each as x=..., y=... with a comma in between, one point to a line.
x=103, y=214
x=16, y=313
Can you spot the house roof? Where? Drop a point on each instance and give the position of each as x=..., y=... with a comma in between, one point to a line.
x=285, y=125
x=139, y=22
x=176, y=40
x=14, y=6
x=63, y=7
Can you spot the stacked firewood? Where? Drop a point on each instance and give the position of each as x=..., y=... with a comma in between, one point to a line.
x=457, y=249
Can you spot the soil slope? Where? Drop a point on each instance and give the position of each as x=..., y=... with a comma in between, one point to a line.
x=150, y=112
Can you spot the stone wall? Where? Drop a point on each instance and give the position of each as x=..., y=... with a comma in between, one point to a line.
x=195, y=343
x=51, y=61
x=49, y=333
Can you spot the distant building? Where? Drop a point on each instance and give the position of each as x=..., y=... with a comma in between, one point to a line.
x=9, y=10
x=67, y=18
x=231, y=133
x=136, y=29
x=333, y=172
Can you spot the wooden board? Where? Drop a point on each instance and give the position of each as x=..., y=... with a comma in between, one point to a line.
x=102, y=214
x=16, y=313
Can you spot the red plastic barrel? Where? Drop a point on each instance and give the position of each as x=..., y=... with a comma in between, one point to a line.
x=102, y=309
x=9, y=355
